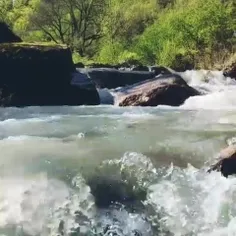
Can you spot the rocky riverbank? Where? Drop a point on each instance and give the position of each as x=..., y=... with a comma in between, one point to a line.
x=45, y=75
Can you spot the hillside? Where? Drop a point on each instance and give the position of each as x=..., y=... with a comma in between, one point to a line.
x=180, y=34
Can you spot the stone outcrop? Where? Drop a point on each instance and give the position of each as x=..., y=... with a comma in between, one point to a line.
x=38, y=75
x=169, y=90
x=230, y=67
x=6, y=35
x=227, y=161
x=113, y=78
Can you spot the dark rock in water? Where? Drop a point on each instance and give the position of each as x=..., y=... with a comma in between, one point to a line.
x=169, y=90
x=101, y=65
x=160, y=70
x=230, y=68
x=140, y=68
x=38, y=75
x=113, y=78
x=6, y=35
x=227, y=162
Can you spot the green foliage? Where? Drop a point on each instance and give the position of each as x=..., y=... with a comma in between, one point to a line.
x=5, y=7
x=18, y=17
x=189, y=28
x=74, y=22
x=126, y=19
x=110, y=52
x=129, y=57
x=77, y=58
x=122, y=23
x=168, y=32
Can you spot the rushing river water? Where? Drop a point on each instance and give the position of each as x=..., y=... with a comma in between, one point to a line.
x=111, y=171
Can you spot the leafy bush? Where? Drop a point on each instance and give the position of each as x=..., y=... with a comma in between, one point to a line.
x=168, y=32
x=110, y=52
x=189, y=28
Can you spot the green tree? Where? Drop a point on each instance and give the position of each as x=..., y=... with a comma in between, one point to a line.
x=73, y=22
x=189, y=28
x=5, y=7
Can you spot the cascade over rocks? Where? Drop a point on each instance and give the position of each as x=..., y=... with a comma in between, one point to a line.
x=169, y=90
x=38, y=75
x=227, y=161
x=6, y=35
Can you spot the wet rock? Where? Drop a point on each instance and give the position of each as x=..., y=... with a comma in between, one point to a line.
x=230, y=68
x=140, y=68
x=101, y=65
x=79, y=65
x=227, y=162
x=160, y=70
x=6, y=35
x=113, y=78
x=41, y=75
x=169, y=90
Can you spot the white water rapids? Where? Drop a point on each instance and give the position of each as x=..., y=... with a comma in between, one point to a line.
x=111, y=171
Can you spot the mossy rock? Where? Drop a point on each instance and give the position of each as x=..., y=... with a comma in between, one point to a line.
x=40, y=74
x=31, y=65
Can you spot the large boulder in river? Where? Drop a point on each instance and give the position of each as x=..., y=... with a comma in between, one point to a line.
x=169, y=90
x=227, y=161
x=230, y=67
x=113, y=78
x=6, y=35
x=38, y=75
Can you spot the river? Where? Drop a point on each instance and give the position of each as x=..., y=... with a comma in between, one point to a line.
x=120, y=171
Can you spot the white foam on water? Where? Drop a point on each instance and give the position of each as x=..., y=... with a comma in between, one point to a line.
x=219, y=90
x=123, y=223
x=212, y=80
x=30, y=120
x=37, y=205
x=220, y=100
x=191, y=202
